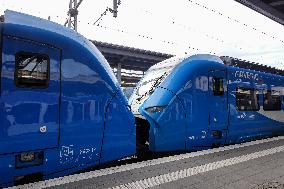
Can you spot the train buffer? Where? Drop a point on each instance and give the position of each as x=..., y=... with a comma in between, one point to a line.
x=257, y=165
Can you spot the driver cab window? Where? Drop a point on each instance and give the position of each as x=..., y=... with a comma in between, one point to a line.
x=31, y=70
x=218, y=86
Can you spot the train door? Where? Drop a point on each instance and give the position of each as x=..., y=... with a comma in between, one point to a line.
x=30, y=91
x=218, y=110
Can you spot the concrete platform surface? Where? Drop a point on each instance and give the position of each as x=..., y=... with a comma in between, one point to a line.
x=255, y=165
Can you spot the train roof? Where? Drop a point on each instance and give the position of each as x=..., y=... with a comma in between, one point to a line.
x=45, y=27
x=173, y=61
x=231, y=61
x=226, y=60
x=21, y=19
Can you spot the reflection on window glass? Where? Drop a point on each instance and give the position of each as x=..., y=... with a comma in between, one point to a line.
x=218, y=86
x=247, y=99
x=152, y=79
x=155, y=75
x=272, y=101
x=32, y=70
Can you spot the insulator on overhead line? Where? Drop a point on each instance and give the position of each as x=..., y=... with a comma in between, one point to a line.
x=115, y=5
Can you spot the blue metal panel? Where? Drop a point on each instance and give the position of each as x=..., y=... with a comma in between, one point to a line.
x=120, y=132
x=249, y=125
x=25, y=110
x=195, y=98
x=167, y=130
x=84, y=96
x=218, y=103
x=6, y=172
x=191, y=65
x=218, y=111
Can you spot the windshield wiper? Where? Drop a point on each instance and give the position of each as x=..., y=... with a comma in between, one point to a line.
x=25, y=64
x=157, y=82
x=153, y=87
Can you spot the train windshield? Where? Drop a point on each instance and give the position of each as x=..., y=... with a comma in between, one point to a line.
x=156, y=74
x=152, y=79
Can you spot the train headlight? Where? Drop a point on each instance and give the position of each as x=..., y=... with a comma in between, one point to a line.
x=155, y=109
x=27, y=156
x=29, y=159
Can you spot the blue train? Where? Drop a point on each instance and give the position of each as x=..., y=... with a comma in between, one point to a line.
x=205, y=101
x=61, y=108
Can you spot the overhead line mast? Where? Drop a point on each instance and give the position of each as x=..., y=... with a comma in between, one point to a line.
x=72, y=14
x=72, y=21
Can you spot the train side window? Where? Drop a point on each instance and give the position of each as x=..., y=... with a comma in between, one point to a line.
x=272, y=100
x=32, y=70
x=218, y=86
x=247, y=99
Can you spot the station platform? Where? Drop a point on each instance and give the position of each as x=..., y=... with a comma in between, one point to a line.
x=257, y=165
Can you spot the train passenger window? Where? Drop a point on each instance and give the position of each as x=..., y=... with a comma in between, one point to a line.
x=247, y=99
x=272, y=100
x=218, y=87
x=32, y=70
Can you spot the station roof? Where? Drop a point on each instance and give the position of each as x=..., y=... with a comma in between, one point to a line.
x=273, y=9
x=130, y=58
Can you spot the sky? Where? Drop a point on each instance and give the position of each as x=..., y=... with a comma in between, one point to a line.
x=221, y=27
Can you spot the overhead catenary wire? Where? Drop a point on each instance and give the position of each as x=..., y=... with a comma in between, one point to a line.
x=103, y=14
x=151, y=38
x=196, y=30
x=172, y=21
x=235, y=20
x=187, y=27
x=141, y=35
x=97, y=24
x=114, y=11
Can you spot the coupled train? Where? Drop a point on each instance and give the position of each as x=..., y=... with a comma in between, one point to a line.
x=62, y=109
x=204, y=101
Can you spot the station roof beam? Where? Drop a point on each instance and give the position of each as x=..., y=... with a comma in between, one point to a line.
x=273, y=9
x=128, y=58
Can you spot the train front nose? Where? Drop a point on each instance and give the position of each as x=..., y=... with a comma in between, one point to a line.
x=146, y=110
x=159, y=116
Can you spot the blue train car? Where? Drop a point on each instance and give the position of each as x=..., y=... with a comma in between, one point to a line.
x=61, y=108
x=203, y=101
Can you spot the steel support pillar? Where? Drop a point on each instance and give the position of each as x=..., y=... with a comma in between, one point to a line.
x=118, y=73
